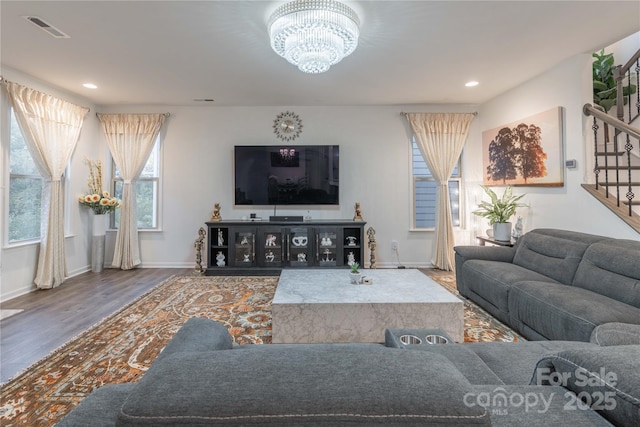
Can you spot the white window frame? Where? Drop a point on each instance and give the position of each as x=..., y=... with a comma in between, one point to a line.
x=157, y=179
x=414, y=179
x=9, y=176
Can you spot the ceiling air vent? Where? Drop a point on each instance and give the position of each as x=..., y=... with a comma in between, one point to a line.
x=45, y=26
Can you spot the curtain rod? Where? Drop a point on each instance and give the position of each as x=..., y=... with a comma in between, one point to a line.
x=164, y=114
x=402, y=113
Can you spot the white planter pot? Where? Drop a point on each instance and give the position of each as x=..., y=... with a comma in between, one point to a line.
x=99, y=226
x=98, y=231
x=502, y=231
x=355, y=278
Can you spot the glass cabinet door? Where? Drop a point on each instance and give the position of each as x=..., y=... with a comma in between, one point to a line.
x=327, y=247
x=352, y=246
x=299, y=247
x=271, y=246
x=245, y=248
x=219, y=249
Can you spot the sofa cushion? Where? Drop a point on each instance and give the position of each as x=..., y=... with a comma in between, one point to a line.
x=559, y=312
x=612, y=269
x=606, y=379
x=466, y=361
x=492, y=280
x=552, y=256
x=314, y=385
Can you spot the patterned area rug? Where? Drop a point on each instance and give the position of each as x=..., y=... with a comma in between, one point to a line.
x=122, y=347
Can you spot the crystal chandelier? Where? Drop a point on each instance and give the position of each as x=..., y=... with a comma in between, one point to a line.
x=314, y=34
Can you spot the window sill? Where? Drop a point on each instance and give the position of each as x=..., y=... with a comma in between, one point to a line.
x=142, y=230
x=32, y=242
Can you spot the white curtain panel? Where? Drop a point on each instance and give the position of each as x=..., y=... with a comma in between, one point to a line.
x=131, y=138
x=441, y=137
x=51, y=128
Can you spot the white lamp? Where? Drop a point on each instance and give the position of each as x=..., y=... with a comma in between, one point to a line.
x=314, y=34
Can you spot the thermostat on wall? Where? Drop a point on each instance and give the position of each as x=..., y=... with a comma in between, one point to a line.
x=571, y=164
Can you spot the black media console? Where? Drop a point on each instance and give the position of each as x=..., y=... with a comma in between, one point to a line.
x=264, y=248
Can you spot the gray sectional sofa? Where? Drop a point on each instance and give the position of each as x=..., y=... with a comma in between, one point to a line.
x=554, y=284
x=201, y=378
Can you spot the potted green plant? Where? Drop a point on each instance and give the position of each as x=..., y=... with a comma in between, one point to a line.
x=499, y=210
x=604, y=83
x=355, y=273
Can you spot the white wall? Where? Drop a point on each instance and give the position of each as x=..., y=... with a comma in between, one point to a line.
x=197, y=170
x=570, y=207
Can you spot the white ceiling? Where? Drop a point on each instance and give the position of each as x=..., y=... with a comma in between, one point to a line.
x=410, y=52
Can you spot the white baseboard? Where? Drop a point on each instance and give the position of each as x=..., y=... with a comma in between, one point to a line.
x=18, y=292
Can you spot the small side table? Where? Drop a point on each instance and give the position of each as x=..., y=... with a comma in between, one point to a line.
x=482, y=241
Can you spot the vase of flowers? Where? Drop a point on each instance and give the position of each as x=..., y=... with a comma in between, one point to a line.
x=101, y=203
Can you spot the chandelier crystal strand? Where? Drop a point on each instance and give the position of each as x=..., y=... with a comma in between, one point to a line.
x=314, y=34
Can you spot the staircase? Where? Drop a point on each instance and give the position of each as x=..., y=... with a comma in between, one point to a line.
x=617, y=148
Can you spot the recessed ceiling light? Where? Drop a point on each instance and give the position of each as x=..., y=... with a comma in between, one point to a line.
x=471, y=83
x=204, y=99
x=90, y=86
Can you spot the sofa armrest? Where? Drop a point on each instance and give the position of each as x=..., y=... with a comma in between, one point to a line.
x=198, y=334
x=488, y=253
x=615, y=334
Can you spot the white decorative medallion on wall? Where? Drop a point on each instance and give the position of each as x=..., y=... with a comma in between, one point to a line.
x=287, y=126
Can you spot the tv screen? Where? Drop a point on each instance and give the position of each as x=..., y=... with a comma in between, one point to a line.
x=286, y=175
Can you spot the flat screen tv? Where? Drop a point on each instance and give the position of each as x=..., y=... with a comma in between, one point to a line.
x=286, y=175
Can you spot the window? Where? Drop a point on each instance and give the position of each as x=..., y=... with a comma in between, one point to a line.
x=424, y=192
x=25, y=188
x=147, y=191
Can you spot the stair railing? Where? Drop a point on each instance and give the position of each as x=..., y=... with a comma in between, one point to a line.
x=621, y=129
x=621, y=72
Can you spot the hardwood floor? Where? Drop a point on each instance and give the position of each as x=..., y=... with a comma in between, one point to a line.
x=52, y=317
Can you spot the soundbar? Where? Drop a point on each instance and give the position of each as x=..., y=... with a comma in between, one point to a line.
x=279, y=218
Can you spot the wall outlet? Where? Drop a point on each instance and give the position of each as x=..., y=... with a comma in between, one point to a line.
x=394, y=246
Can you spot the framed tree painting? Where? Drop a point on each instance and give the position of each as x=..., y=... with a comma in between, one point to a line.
x=527, y=152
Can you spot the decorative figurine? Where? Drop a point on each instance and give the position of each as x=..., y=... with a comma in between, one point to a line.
x=246, y=258
x=327, y=258
x=351, y=259
x=351, y=240
x=270, y=256
x=358, y=215
x=325, y=241
x=371, y=234
x=517, y=229
x=271, y=240
x=220, y=238
x=215, y=216
x=302, y=257
x=198, y=245
x=220, y=259
x=244, y=241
